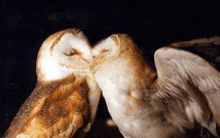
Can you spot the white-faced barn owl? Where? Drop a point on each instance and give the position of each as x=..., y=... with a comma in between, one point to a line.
x=180, y=97
x=65, y=99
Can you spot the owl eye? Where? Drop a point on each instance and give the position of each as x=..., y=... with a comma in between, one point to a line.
x=72, y=52
x=104, y=50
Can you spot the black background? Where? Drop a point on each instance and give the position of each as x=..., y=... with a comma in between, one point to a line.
x=25, y=24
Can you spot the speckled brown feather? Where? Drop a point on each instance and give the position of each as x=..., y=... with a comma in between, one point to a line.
x=55, y=109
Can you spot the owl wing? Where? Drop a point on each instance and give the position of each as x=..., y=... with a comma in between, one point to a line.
x=184, y=75
x=208, y=48
x=56, y=109
x=201, y=42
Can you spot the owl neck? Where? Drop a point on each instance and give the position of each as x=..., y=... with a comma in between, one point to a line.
x=124, y=78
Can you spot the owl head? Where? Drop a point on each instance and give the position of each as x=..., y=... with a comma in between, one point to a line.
x=63, y=53
x=121, y=56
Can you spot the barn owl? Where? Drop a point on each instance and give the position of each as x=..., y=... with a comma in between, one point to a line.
x=66, y=96
x=179, y=97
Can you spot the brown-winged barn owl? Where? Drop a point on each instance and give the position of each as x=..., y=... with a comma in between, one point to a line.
x=180, y=97
x=65, y=99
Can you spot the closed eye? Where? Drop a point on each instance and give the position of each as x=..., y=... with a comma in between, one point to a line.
x=104, y=50
x=72, y=52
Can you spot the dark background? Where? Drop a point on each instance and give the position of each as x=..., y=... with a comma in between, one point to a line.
x=25, y=24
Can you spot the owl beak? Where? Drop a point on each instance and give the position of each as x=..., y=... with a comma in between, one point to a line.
x=92, y=67
x=95, y=63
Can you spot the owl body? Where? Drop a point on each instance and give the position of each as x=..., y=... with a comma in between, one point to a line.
x=65, y=99
x=53, y=110
x=126, y=106
x=168, y=102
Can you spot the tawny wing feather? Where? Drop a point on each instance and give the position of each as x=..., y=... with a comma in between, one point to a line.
x=57, y=109
x=201, y=42
x=208, y=48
